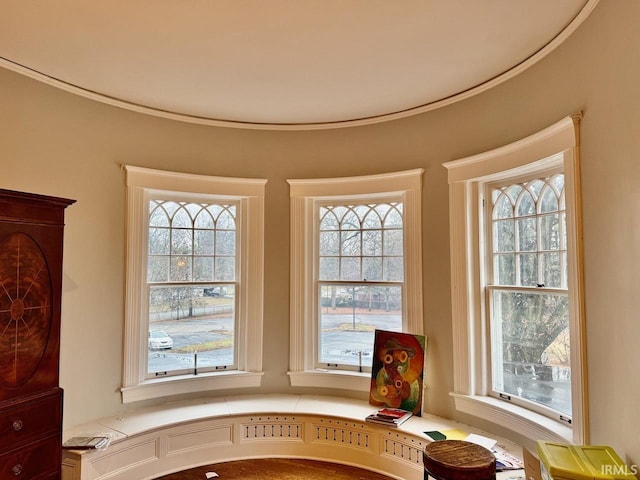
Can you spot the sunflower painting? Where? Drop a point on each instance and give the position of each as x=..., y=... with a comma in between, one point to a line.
x=396, y=373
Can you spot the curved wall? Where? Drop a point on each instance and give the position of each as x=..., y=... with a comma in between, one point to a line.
x=54, y=143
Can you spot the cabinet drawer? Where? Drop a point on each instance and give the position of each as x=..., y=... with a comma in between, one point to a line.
x=38, y=460
x=36, y=417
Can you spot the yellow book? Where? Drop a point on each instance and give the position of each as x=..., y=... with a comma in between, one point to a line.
x=454, y=434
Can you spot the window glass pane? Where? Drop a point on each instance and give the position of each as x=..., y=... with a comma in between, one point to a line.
x=181, y=241
x=157, y=268
x=339, y=211
x=530, y=347
x=225, y=242
x=328, y=220
x=157, y=215
x=372, y=220
x=506, y=271
x=215, y=210
x=393, y=244
x=181, y=219
x=186, y=320
x=170, y=207
x=349, y=315
x=503, y=236
x=204, y=220
x=526, y=205
x=194, y=209
x=203, y=242
x=552, y=269
x=329, y=268
x=225, y=269
x=558, y=182
x=535, y=186
x=503, y=208
x=180, y=269
x=203, y=269
x=329, y=243
x=548, y=200
x=361, y=211
x=350, y=268
x=350, y=243
x=350, y=221
x=227, y=219
x=383, y=208
x=159, y=241
x=372, y=268
x=527, y=237
x=393, y=218
x=393, y=269
x=372, y=242
x=528, y=264
x=549, y=232
x=514, y=192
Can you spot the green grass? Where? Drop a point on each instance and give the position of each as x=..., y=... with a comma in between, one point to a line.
x=350, y=327
x=206, y=346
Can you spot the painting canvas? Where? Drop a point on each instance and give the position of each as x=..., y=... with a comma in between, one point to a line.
x=397, y=371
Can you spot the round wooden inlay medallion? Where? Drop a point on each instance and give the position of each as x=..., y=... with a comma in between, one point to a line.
x=25, y=308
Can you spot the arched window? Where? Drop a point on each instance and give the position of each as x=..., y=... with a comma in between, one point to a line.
x=355, y=266
x=516, y=269
x=194, y=283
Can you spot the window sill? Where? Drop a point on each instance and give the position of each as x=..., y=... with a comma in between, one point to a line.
x=531, y=425
x=340, y=379
x=164, y=387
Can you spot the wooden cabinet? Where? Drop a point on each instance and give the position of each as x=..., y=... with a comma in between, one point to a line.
x=31, y=240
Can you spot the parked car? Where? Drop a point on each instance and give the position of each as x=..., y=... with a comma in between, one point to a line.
x=214, y=292
x=158, y=339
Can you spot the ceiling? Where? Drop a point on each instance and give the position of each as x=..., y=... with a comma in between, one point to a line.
x=281, y=64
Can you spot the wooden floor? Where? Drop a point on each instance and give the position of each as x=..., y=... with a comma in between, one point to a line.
x=277, y=469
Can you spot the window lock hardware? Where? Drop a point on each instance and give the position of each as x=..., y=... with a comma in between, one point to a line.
x=565, y=419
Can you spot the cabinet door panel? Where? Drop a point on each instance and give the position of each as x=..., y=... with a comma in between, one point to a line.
x=33, y=417
x=34, y=462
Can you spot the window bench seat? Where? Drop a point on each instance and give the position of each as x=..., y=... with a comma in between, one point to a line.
x=153, y=441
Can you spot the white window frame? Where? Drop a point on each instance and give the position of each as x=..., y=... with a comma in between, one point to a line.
x=304, y=196
x=249, y=193
x=557, y=145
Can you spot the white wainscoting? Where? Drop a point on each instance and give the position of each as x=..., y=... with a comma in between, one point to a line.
x=151, y=442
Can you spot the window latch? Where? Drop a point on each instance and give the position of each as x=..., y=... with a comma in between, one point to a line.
x=565, y=419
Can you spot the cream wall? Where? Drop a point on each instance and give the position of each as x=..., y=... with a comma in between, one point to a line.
x=55, y=143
